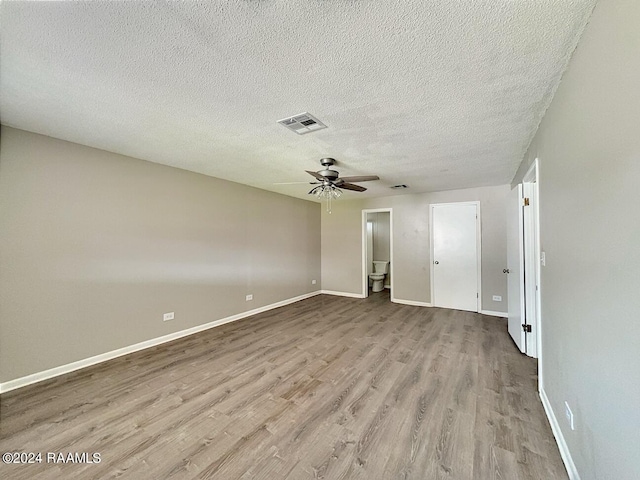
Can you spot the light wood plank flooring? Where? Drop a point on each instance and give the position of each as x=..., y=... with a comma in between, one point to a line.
x=326, y=388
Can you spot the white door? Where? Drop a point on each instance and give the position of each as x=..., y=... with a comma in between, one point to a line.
x=455, y=267
x=529, y=191
x=515, y=267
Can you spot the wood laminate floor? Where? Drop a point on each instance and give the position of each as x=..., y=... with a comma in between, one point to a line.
x=326, y=388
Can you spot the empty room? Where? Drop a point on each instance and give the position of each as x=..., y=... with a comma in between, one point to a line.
x=288, y=240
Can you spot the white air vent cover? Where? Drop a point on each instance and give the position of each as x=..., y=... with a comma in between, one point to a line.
x=302, y=123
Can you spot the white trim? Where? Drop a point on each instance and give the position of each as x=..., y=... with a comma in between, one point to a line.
x=494, y=314
x=342, y=294
x=365, y=277
x=103, y=357
x=411, y=302
x=572, y=471
x=534, y=173
x=478, y=248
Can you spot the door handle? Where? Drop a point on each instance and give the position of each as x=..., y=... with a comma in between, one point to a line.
x=437, y=262
x=505, y=270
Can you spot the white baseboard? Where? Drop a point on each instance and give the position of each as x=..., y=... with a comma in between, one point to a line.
x=103, y=357
x=494, y=314
x=411, y=302
x=342, y=294
x=572, y=471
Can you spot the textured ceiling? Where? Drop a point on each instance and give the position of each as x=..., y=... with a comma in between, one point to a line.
x=434, y=94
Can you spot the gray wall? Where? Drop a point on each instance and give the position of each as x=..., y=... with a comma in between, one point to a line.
x=589, y=151
x=95, y=247
x=381, y=232
x=342, y=243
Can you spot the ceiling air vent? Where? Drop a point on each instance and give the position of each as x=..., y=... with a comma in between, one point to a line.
x=302, y=123
x=398, y=187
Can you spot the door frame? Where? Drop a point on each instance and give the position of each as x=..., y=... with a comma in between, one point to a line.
x=365, y=276
x=478, y=249
x=531, y=183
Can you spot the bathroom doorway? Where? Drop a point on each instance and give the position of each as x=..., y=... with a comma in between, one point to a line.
x=377, y=246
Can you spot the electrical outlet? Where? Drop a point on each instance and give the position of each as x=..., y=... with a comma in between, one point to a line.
x=168, y=316
x=497, y=298
x=313, y=282
x=569, y=414
x=249, y=297
x=543, y=259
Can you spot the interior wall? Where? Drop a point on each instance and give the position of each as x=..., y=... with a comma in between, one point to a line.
x=342, y=243
x=381, y=235
x=588, y=146
x=95, y=247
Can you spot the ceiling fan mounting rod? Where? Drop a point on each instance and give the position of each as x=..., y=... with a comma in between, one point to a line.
x=327, y=162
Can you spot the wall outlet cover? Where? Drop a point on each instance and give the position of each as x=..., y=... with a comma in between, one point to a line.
x=249, y=297
x=313, y=282
x=497, y=298
x=168, y=316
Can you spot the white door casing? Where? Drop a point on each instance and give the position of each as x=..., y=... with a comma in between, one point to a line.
x=515, y=268
x=455, y=266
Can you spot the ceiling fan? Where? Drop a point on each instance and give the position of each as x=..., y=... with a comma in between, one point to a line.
x=329, y=179
x=329, y=182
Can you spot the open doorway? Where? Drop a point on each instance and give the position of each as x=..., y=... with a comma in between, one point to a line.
x=377, y=252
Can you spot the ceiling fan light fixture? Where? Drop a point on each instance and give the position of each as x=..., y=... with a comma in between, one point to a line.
x=331, y=183
x=327, y=192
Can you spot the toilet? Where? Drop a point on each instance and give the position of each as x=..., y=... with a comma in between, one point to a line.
x=380, y=269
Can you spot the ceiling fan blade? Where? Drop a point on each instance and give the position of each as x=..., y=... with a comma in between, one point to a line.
x=361, y=178
x=315, y=174
x=351, y=186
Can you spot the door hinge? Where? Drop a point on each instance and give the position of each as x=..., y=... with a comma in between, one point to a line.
x=526, y=202
x=526, y=328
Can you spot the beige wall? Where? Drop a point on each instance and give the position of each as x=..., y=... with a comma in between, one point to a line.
x=342, y=247
x=95, y=247
x=342, y=242
x=381, y=232
x=588, y=147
